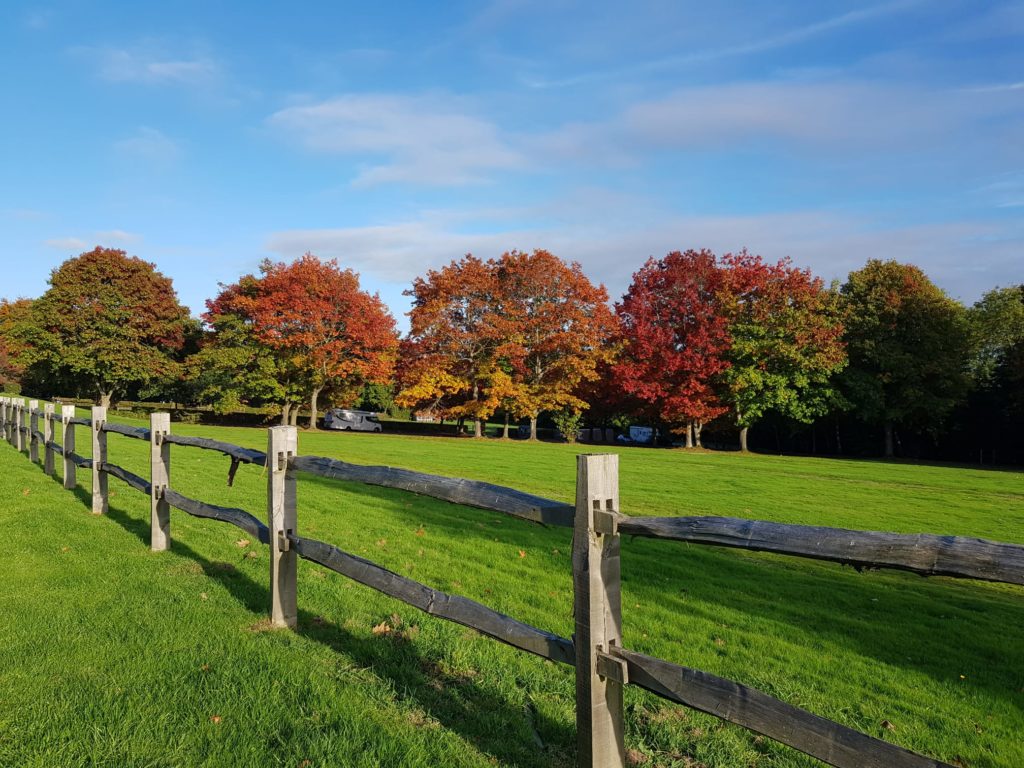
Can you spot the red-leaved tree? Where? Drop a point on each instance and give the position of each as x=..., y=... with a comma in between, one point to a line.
x=675, y=339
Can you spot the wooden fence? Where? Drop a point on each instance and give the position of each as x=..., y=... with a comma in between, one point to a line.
x=603, y=666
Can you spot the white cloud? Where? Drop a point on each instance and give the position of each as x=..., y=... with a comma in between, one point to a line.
x=118, y=237
x=964, y=257
x=66, y=243
x=426, y=139
x=151, y=145
x=149, y=64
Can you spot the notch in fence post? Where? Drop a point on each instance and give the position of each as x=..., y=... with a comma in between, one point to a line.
x=160, y=479
x=48, y=438
x=598, y=613
x=33, y=427
x=67, y=442
x=282, y=444
x=19, y=423
x=100, y=497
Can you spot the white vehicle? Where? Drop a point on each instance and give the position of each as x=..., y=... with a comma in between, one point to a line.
x=354, y=421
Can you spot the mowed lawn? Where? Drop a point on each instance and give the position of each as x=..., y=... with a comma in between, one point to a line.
x=117, y=656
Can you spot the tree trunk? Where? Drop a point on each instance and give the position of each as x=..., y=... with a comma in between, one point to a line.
x=698, y=427
x=839, y=440
x=743, y=439
x=312, y=407
x=689, y=434
x=504, y=433
x=533, y=427
x=477, y=428
x=294, y=419
x=285, y=410
x=888, y=440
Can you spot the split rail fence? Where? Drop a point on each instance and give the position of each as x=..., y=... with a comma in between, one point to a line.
x=603, y=666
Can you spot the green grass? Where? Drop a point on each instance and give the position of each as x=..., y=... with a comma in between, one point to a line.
x=117, y=656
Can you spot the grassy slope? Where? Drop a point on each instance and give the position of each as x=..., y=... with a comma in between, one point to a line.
x=122, y=657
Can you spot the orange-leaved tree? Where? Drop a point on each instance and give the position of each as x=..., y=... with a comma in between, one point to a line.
x=450, y=359
x=556, y=326
x=316, y=318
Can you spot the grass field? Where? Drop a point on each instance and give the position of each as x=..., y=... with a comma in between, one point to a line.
x=117, y=656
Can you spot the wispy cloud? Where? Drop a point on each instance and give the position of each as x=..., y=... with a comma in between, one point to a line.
x=424, y=139
x=150, y=145
x=117, y=237
x=38, y=18
x=966, y=257
x=767, y=43
x=66, y=243
x=149, y=63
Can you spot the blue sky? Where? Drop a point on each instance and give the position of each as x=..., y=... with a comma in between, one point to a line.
x=206, y=136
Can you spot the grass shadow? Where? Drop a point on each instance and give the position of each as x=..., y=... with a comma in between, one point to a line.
x=455, y=702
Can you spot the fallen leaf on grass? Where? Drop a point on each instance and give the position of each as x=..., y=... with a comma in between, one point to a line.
x=888, y=726
x=215, y=719
x=420, y=531
x=381, y=629
x=635, y=757
x=242, y=543
x=382, y=542
x=204, y=668
x=25, y=492
x=203, y=596
x=522, y=553
x=65, y=549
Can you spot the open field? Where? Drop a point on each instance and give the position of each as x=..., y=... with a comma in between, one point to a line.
x=118, y=656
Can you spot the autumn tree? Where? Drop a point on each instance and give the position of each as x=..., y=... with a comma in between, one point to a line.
x=909, y=347
x=676, y=340
x=108, y=322
x=556, y=326
x=15, y=328
x=234, y=368
x=785, y=342
x=320, y=323
x=450, y=358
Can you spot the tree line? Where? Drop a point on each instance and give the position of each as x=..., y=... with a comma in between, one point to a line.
x=699, y=345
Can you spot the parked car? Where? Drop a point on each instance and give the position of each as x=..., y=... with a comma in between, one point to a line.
x=347, y=420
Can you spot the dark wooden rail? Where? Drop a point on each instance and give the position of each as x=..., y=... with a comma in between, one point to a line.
x=828, y=741
x=139, y=433
x=136, y=482
x=237, y=517
x=471, y=493
x=922, y=553
x=245, y=455
x=461, y=610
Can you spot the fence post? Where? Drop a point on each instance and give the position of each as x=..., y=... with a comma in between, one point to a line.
x=67, y=442
x=3, y=418
x=33, y=427
x=48, y=438
x=598, y=612
x=19, y=423
x=8, y=417
x=282, y=443
x=159, y=478
x=100, y=499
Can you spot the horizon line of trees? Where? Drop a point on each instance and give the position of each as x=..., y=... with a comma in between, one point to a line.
x=698, y=342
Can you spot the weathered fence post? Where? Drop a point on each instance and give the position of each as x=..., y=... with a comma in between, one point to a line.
x=159, y=478
x=598, y=613
x=67, y=442
x=48, y=438
x=282, y=444
x=100, y=498
x=4, y=429
x=33, y=427
x=19, y=423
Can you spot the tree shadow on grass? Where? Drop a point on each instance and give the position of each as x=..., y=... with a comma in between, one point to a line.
x=511, y=734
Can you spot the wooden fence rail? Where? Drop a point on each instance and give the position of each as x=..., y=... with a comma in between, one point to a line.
x=603, y=667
